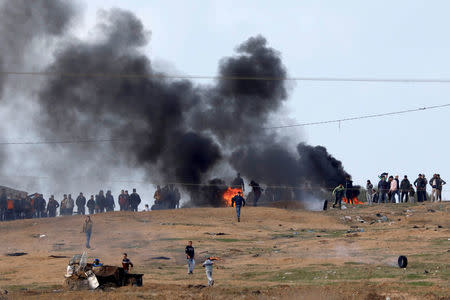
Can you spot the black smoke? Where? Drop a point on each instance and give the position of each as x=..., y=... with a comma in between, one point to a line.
x=176, y=130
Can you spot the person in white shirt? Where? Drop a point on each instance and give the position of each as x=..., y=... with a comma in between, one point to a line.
x=208, y=265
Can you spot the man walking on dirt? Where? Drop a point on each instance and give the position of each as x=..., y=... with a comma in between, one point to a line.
x=239, y=201
x=190, y=253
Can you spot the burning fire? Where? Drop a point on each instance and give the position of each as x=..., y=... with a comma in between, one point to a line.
x=229, y=194
x=355, y=200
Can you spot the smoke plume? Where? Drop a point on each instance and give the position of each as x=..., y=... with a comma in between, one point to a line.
x=175, y=130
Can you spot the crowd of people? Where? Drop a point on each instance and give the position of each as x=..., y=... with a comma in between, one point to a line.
x=391, y=190
x=20, y=206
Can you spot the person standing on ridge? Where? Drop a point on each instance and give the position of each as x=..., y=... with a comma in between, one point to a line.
x=239, y=201
x=81, y=203
x=91, y=205
x=135, y=200
x=404, y=187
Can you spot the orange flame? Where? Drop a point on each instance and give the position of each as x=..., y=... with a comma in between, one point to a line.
x=229, y=194
x=355, y=200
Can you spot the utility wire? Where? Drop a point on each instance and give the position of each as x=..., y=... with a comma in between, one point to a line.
x=231, y=77
x=81, y=141
x=363, y=117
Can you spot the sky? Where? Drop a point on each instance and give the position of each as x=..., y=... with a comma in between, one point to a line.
x=382, y=39
x=376, y=39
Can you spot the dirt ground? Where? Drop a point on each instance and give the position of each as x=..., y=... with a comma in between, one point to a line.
x=274, y=253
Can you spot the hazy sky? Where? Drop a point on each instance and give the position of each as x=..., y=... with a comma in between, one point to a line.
x=387, y=39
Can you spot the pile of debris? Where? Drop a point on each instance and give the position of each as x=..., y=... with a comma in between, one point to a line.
x=83, y=276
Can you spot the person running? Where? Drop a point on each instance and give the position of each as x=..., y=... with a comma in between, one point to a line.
x=91, y=205
x=338, y=193
x=208, y=265
x=126, y=263
x=87, y=228
x=239, y=201
x=190, y=253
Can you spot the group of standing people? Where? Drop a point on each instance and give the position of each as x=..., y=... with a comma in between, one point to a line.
x=392, y=190
x=22, y=206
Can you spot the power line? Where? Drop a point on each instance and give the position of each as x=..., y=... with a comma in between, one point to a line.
x=362, y=117
x=81, y=141
x=231, y=77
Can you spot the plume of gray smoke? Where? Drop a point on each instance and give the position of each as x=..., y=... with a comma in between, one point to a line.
x=24, y=22
x=174, y=128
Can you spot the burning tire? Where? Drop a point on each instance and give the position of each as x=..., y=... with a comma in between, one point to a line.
x=402, y=261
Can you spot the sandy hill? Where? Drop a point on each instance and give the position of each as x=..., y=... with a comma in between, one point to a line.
x=272, y=253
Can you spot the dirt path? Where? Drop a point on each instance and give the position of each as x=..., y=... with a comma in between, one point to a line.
x=349, y=254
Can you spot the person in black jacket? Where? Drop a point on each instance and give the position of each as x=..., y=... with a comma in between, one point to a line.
x=257, y=191
x=81, y=203
x=100, y=202
x=420, y=183
x=383, y=188
x=109, y=201
x=3, y=205
x=190, y=253
x=349, y=190
x=404, y=188
x=239, y=201
x=440, y=183
x=135, y=200
x=91, y=205
x=52, y=205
